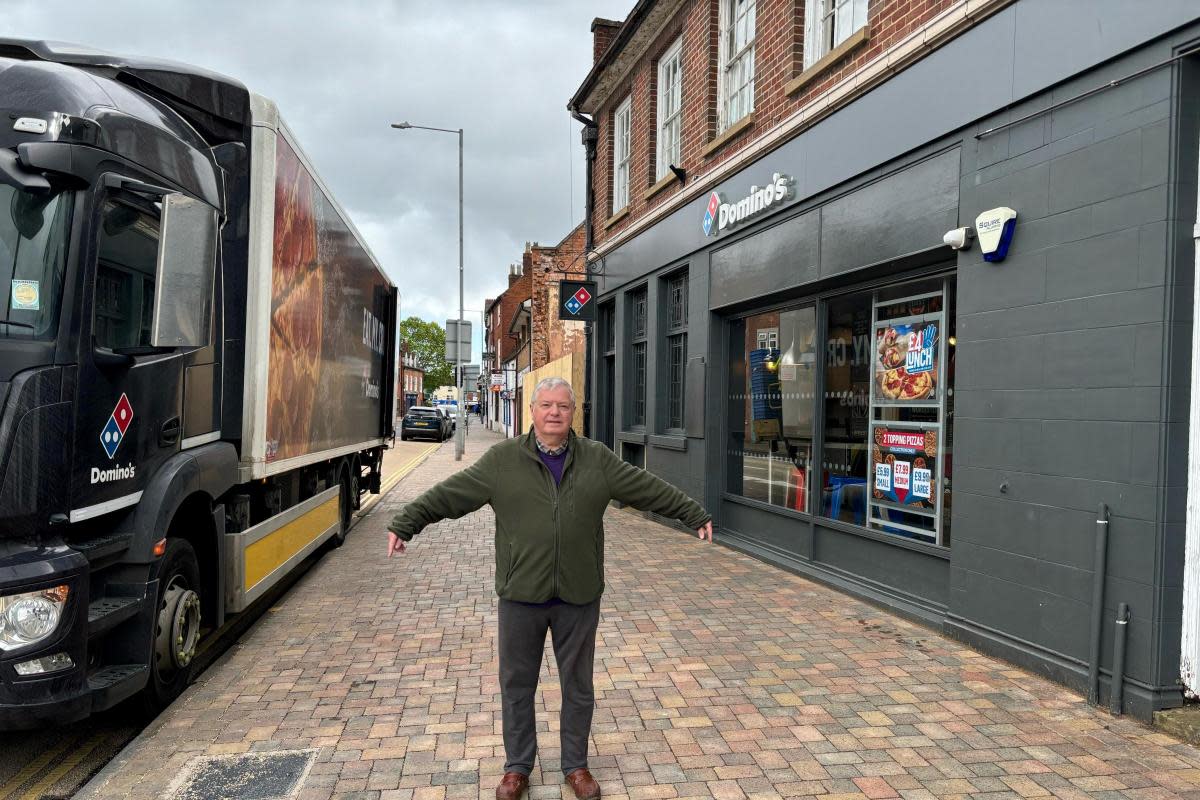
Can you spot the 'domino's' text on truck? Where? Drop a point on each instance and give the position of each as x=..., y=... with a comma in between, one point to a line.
x=196, y=371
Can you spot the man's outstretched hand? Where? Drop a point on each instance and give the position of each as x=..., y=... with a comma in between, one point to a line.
x=396, y=544
x=705, y=531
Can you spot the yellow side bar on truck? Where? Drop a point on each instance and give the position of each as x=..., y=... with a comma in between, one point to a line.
x=258, y=557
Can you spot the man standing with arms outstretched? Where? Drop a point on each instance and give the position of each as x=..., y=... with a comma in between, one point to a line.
x=549, y=489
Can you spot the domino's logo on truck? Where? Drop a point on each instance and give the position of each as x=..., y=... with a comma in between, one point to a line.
x=118, y=422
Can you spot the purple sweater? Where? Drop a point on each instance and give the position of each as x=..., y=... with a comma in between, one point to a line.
x=555, y=464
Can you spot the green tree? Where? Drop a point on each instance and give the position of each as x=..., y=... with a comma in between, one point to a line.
x=427, y=341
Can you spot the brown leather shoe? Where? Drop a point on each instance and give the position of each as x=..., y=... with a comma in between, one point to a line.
x=512, y=786
x=584, y=785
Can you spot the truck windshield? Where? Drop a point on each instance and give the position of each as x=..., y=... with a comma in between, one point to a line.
x=33, y=246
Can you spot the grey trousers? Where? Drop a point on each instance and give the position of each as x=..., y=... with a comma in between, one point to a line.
x=522, y=638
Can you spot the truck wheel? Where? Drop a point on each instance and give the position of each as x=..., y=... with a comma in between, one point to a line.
x=345, y=507
x=355, y=484
x=176, y=625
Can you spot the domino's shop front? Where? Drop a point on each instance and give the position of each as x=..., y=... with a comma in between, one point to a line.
x=932, y=353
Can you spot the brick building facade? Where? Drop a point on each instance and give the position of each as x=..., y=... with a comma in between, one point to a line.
x=522, y=330
x=410, y=380
x=786, y=331
x=554, y=338
x=788, y=96
x=501, y=350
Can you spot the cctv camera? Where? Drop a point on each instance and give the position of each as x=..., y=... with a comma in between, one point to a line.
x=959, y=238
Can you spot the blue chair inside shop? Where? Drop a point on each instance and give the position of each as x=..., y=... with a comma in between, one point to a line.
x=853, y=491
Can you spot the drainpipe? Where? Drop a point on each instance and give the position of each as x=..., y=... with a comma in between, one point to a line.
x=589, y=135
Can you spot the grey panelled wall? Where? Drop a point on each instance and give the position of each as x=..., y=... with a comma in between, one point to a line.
x=1073, y=355
x=1063, y=377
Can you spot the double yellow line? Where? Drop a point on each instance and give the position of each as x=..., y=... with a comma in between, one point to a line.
x=398, y=476
x=75, y=752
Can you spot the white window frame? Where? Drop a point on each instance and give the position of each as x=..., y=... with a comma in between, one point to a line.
x=670, y=108
x=828, y=23
x=622, y=131
x=735, y=103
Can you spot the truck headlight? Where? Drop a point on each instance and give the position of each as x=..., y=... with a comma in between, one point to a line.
x=30, y=617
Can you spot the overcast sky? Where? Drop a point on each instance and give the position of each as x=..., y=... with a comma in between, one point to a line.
x=503, y=70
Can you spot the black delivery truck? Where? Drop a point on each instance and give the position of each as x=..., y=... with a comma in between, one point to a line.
x=196, y=371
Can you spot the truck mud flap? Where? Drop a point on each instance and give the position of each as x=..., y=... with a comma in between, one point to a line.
x=260, y=556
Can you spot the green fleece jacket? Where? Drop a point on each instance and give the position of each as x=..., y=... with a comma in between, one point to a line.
x=549, y=539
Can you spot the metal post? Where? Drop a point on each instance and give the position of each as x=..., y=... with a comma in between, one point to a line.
x=1100, y=567
x=1117, y=686
x=460, y=441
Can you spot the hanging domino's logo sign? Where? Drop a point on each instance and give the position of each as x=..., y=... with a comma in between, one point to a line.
x=720, y=216
x=576, y=300
x=117, y=425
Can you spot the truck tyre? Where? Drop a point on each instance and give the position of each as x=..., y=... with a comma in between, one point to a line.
x=345, y=506
x=176, y=625
x=355, y=483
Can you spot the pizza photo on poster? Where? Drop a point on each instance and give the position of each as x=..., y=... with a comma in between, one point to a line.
x=906, y=362
x=905, y=466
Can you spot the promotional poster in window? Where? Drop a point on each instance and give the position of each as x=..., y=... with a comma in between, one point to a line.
x=905, y=462
x=906, y=364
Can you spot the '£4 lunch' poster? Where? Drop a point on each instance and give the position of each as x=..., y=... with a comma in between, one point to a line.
x=906, y=362
x=905, y=462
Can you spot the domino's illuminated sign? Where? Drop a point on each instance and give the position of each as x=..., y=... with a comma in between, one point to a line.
x=720, y=216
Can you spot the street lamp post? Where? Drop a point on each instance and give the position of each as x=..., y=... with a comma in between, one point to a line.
x=460, y=425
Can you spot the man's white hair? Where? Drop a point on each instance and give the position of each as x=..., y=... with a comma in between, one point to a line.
x=550, y=384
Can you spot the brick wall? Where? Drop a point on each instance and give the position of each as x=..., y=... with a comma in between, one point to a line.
x=554, y=338
x=501, y=314
x=779, y=58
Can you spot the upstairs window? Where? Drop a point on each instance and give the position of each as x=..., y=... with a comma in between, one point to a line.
x=828, y=23
x=621, y=130
x=670, y=82
x=736, y=81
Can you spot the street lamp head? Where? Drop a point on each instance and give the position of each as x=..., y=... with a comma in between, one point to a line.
x=401, y=125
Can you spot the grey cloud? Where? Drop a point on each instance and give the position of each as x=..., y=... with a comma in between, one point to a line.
x=342, y=72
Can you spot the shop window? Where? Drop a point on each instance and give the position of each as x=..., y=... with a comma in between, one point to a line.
x=888, y=407
x=670, y=82
x=605, y=414
x=621, y=142
x=637, y=354
x=771, y=406
x=736, y=80
x=676, y=347
x=608, y=328
x=828, y=23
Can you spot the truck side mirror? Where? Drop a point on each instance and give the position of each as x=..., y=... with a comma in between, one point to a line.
x=187, y=254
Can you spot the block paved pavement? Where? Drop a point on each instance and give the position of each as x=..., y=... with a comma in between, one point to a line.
x=718, y=676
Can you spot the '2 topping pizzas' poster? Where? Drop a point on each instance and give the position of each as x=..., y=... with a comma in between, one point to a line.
x=905, y=462
x=906, y=362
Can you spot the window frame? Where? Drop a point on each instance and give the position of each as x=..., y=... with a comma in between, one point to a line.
x=639, y=346
x=675, y=335
x=664, y=121
x=939, y=271
x=820, y=26
x=727, y=61
x=622, y=145
x=137, y=280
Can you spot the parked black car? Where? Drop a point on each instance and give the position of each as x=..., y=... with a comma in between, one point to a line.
x=424, y=422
